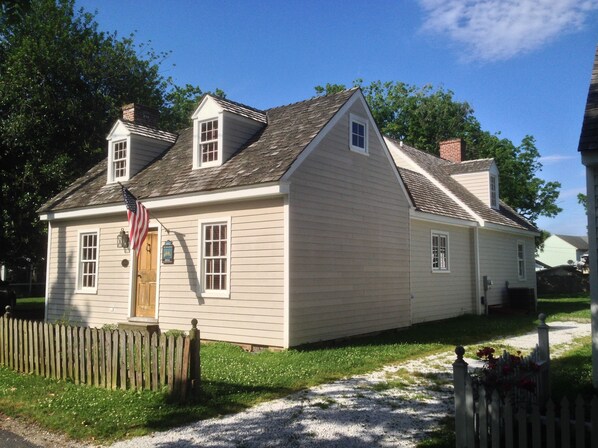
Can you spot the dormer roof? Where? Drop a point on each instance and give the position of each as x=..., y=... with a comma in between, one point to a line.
x=470, y=166
x=150, y=132
x=240, y=109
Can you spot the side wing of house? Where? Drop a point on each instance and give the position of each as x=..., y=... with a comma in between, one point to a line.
x=507, y=260
x=349, y=234
x=442, y=270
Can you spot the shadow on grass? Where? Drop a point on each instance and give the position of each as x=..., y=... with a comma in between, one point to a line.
x=463, y=330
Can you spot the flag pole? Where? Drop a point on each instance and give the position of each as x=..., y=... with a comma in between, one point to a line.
x=148, y=212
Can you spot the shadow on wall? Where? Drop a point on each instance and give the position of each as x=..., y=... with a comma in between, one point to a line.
x=562, y=280
x=61, y=307
x=192, y=277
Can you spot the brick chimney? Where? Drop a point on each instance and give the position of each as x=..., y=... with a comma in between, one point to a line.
x=453, y=150
x=140, y=114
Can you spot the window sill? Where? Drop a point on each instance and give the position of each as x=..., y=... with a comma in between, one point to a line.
x=86, y=291
x=215, y=295
x=358, y=150
x=441, y=271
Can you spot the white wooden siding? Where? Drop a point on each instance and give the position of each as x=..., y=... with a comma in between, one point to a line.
x=498, y=260
x=476, y=183
x=143, y=151
x=349, y=241
x=236, y=132
x=441, y=295
x=252, y=314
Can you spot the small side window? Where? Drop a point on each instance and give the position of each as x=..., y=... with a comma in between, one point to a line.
x=440, y=252
x=358, y=134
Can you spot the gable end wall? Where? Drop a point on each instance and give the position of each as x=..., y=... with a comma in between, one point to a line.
x=349, y=241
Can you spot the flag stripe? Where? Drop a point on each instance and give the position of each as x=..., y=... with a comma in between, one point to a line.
x=138, y=218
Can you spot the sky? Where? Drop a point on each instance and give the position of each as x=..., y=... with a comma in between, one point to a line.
x=523, y=65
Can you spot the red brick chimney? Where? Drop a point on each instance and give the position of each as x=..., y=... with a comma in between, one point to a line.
x=453, y=150
x=140, y=114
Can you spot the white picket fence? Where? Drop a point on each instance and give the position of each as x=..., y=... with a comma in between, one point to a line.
x=521, y=419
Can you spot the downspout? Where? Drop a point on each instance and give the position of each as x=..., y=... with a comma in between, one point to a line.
x=477, y=295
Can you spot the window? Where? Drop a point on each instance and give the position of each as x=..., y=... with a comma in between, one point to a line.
x=521, y=260
x=208, y=141
x=215, y=257
x=88, y=261
x=358, y=134
x=493, y=192
x=119, y=159
x=440, y=252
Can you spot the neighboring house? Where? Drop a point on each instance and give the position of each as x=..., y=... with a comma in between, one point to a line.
x=289, y=225
x=588, y=147
x=563, y=249
x=480, y=246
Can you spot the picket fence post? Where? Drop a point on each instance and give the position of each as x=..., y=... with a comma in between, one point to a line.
x=544, y=354
x=459, y=378
x=194, y=361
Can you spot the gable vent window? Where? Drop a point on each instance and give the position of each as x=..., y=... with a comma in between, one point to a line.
x=119, y=159
x=358, y=134
x=208, y=141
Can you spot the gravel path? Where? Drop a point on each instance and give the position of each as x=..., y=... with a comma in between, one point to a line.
x=396, y=406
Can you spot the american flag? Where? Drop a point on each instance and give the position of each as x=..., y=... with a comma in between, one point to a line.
x=138, y=219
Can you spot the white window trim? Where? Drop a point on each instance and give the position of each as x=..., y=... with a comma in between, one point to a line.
x=215, y=293
x=80, y=289
x=438, y=270
x=197, y=163
x=493, y=195
x=522, y=244
x=362, y=121
x=111, y=173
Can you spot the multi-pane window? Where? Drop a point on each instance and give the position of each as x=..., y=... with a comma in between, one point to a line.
x=215, y=256
x=493, y=192
x=521, y=260
x=358, y=134
x=440, y=252
x=119, y=159
x=208, y=141
x=88, y=260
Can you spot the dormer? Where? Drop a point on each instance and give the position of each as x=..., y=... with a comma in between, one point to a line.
x=220, y=128
x=134, y=141
x=479, y=176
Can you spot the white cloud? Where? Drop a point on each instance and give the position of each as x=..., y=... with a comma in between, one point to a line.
x=502, y=29
x=556, y=158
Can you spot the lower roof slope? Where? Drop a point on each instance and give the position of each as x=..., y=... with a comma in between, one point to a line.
x=441, y=170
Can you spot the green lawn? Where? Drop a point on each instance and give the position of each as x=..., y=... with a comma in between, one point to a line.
x=233, y=379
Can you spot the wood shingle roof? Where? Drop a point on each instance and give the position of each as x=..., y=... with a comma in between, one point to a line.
x=264, y=158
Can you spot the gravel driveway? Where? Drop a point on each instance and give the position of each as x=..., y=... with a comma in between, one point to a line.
x=396, y=406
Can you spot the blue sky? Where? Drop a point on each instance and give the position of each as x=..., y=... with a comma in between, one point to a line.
x=524, y=65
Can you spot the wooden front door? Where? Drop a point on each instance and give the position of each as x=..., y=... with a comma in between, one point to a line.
x=147, y=260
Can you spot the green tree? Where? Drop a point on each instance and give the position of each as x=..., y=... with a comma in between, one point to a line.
x=425, y=116
x=62, y=84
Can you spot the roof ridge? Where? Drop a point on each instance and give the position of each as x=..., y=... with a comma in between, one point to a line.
x=313, y=99
x=236, y=103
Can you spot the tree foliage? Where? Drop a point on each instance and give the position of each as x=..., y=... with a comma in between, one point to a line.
x=425, y=116
x=62, y=84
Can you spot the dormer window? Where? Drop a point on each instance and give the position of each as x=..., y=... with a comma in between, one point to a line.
x=119, y=159
x=493, y=191
x=358, y=134
x=208, y=141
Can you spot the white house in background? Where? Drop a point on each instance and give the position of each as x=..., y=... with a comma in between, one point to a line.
x=588, y=147
x=563, y=249
x=289, y=225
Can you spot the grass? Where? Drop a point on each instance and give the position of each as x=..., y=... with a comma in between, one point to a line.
x=233, y=380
